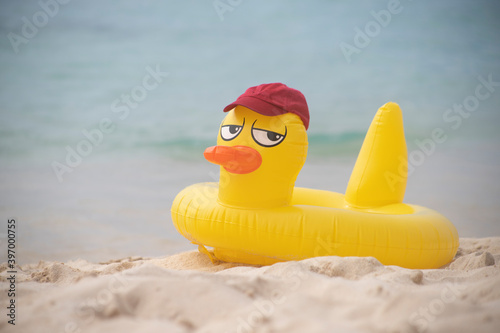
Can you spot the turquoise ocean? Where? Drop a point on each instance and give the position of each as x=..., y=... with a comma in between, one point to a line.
x=106, y=107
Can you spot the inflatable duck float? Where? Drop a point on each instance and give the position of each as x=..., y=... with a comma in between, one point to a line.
x=255, y=214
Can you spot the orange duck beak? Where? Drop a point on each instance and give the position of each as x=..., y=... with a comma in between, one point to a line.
x=235, y=159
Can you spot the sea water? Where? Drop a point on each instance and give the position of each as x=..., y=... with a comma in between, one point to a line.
x=106, y=107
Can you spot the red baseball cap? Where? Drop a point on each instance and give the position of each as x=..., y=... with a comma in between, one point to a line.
x=272, y=99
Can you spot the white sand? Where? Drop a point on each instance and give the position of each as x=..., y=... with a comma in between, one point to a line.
x=187, y=293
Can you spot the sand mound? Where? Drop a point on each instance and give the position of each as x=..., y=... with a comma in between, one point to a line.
x=187, y=293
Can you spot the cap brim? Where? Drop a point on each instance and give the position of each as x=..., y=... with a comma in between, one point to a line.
x=257, y=105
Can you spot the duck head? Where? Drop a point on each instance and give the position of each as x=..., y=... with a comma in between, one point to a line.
x=260, y=154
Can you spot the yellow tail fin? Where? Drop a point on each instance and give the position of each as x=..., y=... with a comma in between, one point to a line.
x=380, y=173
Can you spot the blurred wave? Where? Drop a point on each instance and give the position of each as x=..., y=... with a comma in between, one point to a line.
x=66, y=78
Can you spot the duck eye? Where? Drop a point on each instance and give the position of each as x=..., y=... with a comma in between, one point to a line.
x=229, y=132
x=273, y=136
x=267, y=138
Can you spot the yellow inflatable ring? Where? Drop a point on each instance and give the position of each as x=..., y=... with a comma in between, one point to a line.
x=255, y=215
